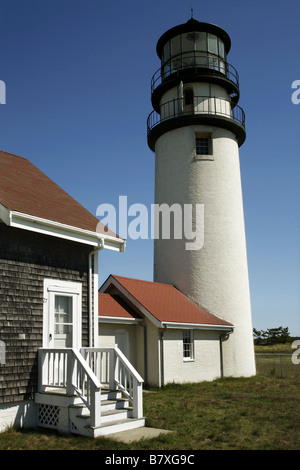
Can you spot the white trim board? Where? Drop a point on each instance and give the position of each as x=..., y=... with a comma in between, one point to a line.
x=57, y=229
x=121, y=320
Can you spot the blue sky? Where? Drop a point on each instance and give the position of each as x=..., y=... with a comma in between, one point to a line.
x=77, y=75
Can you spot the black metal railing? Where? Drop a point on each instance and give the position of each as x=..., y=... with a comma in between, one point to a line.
x=198, y=62
x=206, y=105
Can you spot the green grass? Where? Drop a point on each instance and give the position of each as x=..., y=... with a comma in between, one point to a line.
x=276, y=360
x=279, y=348
x=260, y=413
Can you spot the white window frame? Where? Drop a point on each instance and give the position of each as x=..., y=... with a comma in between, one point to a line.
x=204, y=156
x=188, y=346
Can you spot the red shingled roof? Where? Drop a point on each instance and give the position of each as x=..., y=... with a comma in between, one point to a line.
x=114, y=306
x=166, y=303
x=24, y=188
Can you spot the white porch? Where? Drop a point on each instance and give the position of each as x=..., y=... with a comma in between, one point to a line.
x=90, y=391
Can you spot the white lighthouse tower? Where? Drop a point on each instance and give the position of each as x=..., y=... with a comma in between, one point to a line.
x=195, y=130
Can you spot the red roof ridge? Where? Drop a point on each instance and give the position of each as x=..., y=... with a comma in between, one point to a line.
x=14, y=155
x=116, y=276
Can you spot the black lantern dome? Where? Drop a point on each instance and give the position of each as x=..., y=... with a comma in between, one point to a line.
x=194, y=52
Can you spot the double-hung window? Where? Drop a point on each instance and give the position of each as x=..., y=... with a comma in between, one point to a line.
x=203, y=146
x=188, y=345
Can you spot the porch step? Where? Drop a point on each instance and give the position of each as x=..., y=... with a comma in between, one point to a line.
x=112, y=420
x=107, y=394
x=118, y=426
x=109, y=428
x=119, y=403
x=116, y=416
x=80, y=412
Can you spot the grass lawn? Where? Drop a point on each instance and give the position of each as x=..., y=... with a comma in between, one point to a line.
x=276, y=360
x=258, y=413
x=281, y=348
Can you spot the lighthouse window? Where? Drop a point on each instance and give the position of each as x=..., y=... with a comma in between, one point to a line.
x=202, y=146
x=166, y=52
x=188, y=42
x=221, y=49
x=212, y=43
x=175, y=46
x=200, y=43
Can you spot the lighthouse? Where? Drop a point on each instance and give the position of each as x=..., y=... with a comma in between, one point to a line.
x=195, y=130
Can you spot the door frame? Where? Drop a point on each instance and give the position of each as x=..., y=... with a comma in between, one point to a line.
x=73, y=289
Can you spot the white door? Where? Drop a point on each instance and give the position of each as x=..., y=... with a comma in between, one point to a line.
x=122, y=341
x=62, y=314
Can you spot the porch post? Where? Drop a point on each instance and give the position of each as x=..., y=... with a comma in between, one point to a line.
x=42, y=373
x=70, y=372
x=112, y=368
x=137, y=399
x=95, y=409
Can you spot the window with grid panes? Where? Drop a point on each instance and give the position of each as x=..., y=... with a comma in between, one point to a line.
x=202, y=146
x=188, y=352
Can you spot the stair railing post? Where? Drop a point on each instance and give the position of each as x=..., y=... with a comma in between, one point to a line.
x=112, y=368
x=137, y=399
x=95, y=410
x=70, y=372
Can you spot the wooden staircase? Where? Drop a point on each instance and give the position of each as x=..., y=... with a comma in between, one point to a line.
x=116, y=416
x=72, y=399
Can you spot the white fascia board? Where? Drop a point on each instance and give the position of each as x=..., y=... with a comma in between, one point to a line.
x=198, y=326
x=123, y=320
x=136, y=303
x=56, y=229
x=112, y=243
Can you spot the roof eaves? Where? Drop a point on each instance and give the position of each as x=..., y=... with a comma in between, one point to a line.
x=200, y=326
x=114, y=281
x=123, y=320
x=57, y=229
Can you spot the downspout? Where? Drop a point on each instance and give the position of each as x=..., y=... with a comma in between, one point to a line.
x=162, y=365
x=223, y=337
x=145, y=353
x=93, y=300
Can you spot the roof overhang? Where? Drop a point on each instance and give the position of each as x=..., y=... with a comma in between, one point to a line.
x=197, y=326
x=120, y=320
x=57, y=229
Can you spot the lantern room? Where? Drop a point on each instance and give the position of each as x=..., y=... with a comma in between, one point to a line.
x=194, y=50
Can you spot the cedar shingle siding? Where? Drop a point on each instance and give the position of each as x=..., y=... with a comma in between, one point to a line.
x=26, y=259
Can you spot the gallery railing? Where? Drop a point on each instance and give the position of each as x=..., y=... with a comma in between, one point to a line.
x=199, y=62
x=206, y=105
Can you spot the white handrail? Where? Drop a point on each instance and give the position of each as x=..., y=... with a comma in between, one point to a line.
x=128, y=365
x=84, y=372
x=72, y=373
x=87, y=368
x=135, y=382
x=112, y=367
